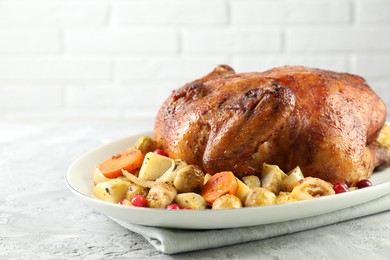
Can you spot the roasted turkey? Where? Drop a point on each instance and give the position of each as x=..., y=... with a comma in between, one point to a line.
x=324, y=122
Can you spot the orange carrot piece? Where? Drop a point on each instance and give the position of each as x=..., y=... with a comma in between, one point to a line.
x=128, y=160
x=219, y=184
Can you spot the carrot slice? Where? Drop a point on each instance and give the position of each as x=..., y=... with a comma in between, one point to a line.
x=219, y=184
x=128, y=160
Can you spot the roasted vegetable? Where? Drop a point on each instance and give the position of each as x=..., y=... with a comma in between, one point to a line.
x=154, y=166
x=251, y=181
x=242, y=190
x=190, y=200
x=219, y=184
x=292, y=179
x=272, y=177
x=98, y=176
x=311, y=188
x=113, y=190
x=135, y=189
x=146, y=144
x=284, y=197
x=260, y=197
x=128, y=160
x=207, y=177
x=189, y=179
x=227, y=202
x=161, y=195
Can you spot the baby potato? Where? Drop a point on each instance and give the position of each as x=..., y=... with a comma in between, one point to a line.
x=251, y=181
x=272, y=177
x=294, y=176
x=190, y=200
x=161, y=194
x=146, y=144
x=227, y=201
x=188, y=179
x=260, y=197
x=113, y=190
x=135, y=189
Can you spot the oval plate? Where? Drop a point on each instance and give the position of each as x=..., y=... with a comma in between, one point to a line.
x=79, y=178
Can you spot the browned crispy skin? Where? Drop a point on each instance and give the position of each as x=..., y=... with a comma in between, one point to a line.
x=323, y=121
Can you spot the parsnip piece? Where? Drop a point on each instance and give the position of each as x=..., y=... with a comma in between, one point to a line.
x=190, y=200
x=272, y=177
x=154, y=166
x=227, y=201
x=294, y=176
x=260, y=197
x=113, y=190
x=242, y=190
x=251, y=181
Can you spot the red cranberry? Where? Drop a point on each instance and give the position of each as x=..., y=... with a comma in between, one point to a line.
x=161, y=152
x=363, y=184
x=122, y=202
x=139, y=201
x=340, y=187
x=173, y=207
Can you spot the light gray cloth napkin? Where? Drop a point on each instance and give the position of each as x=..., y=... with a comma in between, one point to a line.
x=171, y=241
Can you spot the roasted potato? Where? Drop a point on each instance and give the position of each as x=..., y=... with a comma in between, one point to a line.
x=190, y=200
x=135, y=189
x=154, y=166
x=284, y=197
x=146, y=144
x=251, y=181
x=272, y=177
x=161, y=194
x=188, y=179
x=227, y=202
x=292, y=179
x=113, y=190
x=260, y=197
x=242, y=190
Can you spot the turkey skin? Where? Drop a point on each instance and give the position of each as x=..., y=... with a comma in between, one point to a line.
x=325, y=122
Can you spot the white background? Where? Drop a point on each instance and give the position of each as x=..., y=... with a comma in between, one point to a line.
x=100, y=60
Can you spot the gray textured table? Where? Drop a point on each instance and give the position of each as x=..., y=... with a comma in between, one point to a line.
x=41, y=219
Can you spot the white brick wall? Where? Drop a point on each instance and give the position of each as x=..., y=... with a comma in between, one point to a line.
x=106, y=59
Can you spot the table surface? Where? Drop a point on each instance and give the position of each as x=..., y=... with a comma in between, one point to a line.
x=41, y=219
